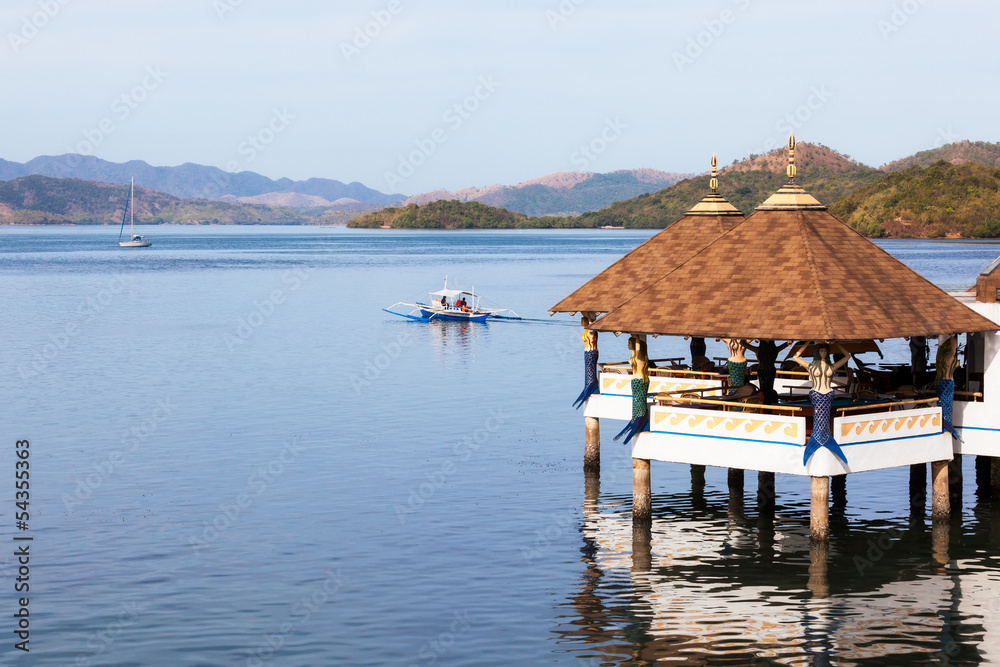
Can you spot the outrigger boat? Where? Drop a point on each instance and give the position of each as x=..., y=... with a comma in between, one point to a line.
x=442, y=307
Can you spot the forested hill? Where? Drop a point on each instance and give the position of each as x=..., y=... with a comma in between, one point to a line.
x=452, y=214
x=41, y=199
x=823, y=172
x=960, y=152
x=942, y=200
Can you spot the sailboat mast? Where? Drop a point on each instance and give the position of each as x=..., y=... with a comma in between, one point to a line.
x=131, y=196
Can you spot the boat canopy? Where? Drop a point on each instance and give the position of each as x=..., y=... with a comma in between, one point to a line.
x=451, y=293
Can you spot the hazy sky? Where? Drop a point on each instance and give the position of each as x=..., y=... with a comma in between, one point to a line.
x=448, y=94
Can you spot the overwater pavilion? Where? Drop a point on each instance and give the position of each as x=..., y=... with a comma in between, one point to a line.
x=706, y=221
x=793, y=271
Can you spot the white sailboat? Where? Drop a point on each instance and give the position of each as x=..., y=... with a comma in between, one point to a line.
x=135, y=240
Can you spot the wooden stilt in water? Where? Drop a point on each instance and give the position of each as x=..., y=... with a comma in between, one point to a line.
x=765, y=490
x=940, y=535
x=955, y=483
x=838, y=487
x=736, y=480
x=995, y=478
x=983, y=476
x=642, y=546
x=592, y=446
x=642, y=500
x=819, y=510
x=819, y=556
x=697, y=476
x=918, y=485
x=940, y=496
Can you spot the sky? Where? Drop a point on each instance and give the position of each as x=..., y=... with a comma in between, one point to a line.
x=410, y=96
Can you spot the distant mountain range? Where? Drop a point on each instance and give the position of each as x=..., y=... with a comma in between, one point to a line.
x=949, y=191
x=191, y=180
x=945, y=191
x=43, y=200
x=562, y=193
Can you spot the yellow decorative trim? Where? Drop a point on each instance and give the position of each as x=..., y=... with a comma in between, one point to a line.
x=727, y=423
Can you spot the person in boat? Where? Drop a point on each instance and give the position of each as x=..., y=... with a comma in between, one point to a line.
x=944, y=386
x=640, y=390
x=821, y=371
x=444, y=302
x=590, y=385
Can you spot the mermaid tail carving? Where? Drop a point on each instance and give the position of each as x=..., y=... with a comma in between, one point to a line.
x=821, y=436
x=640, y=411
x=946, y=395
x=589, y=376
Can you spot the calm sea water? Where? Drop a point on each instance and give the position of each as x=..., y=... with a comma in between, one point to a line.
x=238, y=459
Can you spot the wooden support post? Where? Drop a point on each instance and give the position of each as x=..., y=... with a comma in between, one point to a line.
x=592, y=446
x=642, y=546
x=819, y=510
x=591, y=492
x=697, y=476
x=819, y=557
x=995, y=478
x=918, y=486
x=940, y=536
x=765, y=490
x=940, y=497
x=955, y=483
x=642, y=500
x=838, y=487
x=736, y=480
x=983, y=476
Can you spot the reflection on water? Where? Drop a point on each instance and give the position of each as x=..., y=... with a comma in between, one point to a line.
x=698, y=586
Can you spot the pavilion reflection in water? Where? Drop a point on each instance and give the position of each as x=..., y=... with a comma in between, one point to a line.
x=705, y=591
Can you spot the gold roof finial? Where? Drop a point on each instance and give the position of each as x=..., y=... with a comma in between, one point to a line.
x=791, y=157
x=714, y=182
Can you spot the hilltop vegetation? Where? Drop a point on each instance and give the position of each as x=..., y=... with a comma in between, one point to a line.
x=451, y=214
x=41, y=199
x=826, y=174
x=960, y=152
x=941, y=200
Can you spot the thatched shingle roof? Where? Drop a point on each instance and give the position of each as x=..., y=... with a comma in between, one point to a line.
x=793, y=271
x=661, y=254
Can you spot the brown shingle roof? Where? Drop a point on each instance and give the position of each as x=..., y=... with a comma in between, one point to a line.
x=655, y=258
x=792, y=273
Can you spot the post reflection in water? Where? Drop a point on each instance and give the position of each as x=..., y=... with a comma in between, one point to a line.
x=702, y=584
